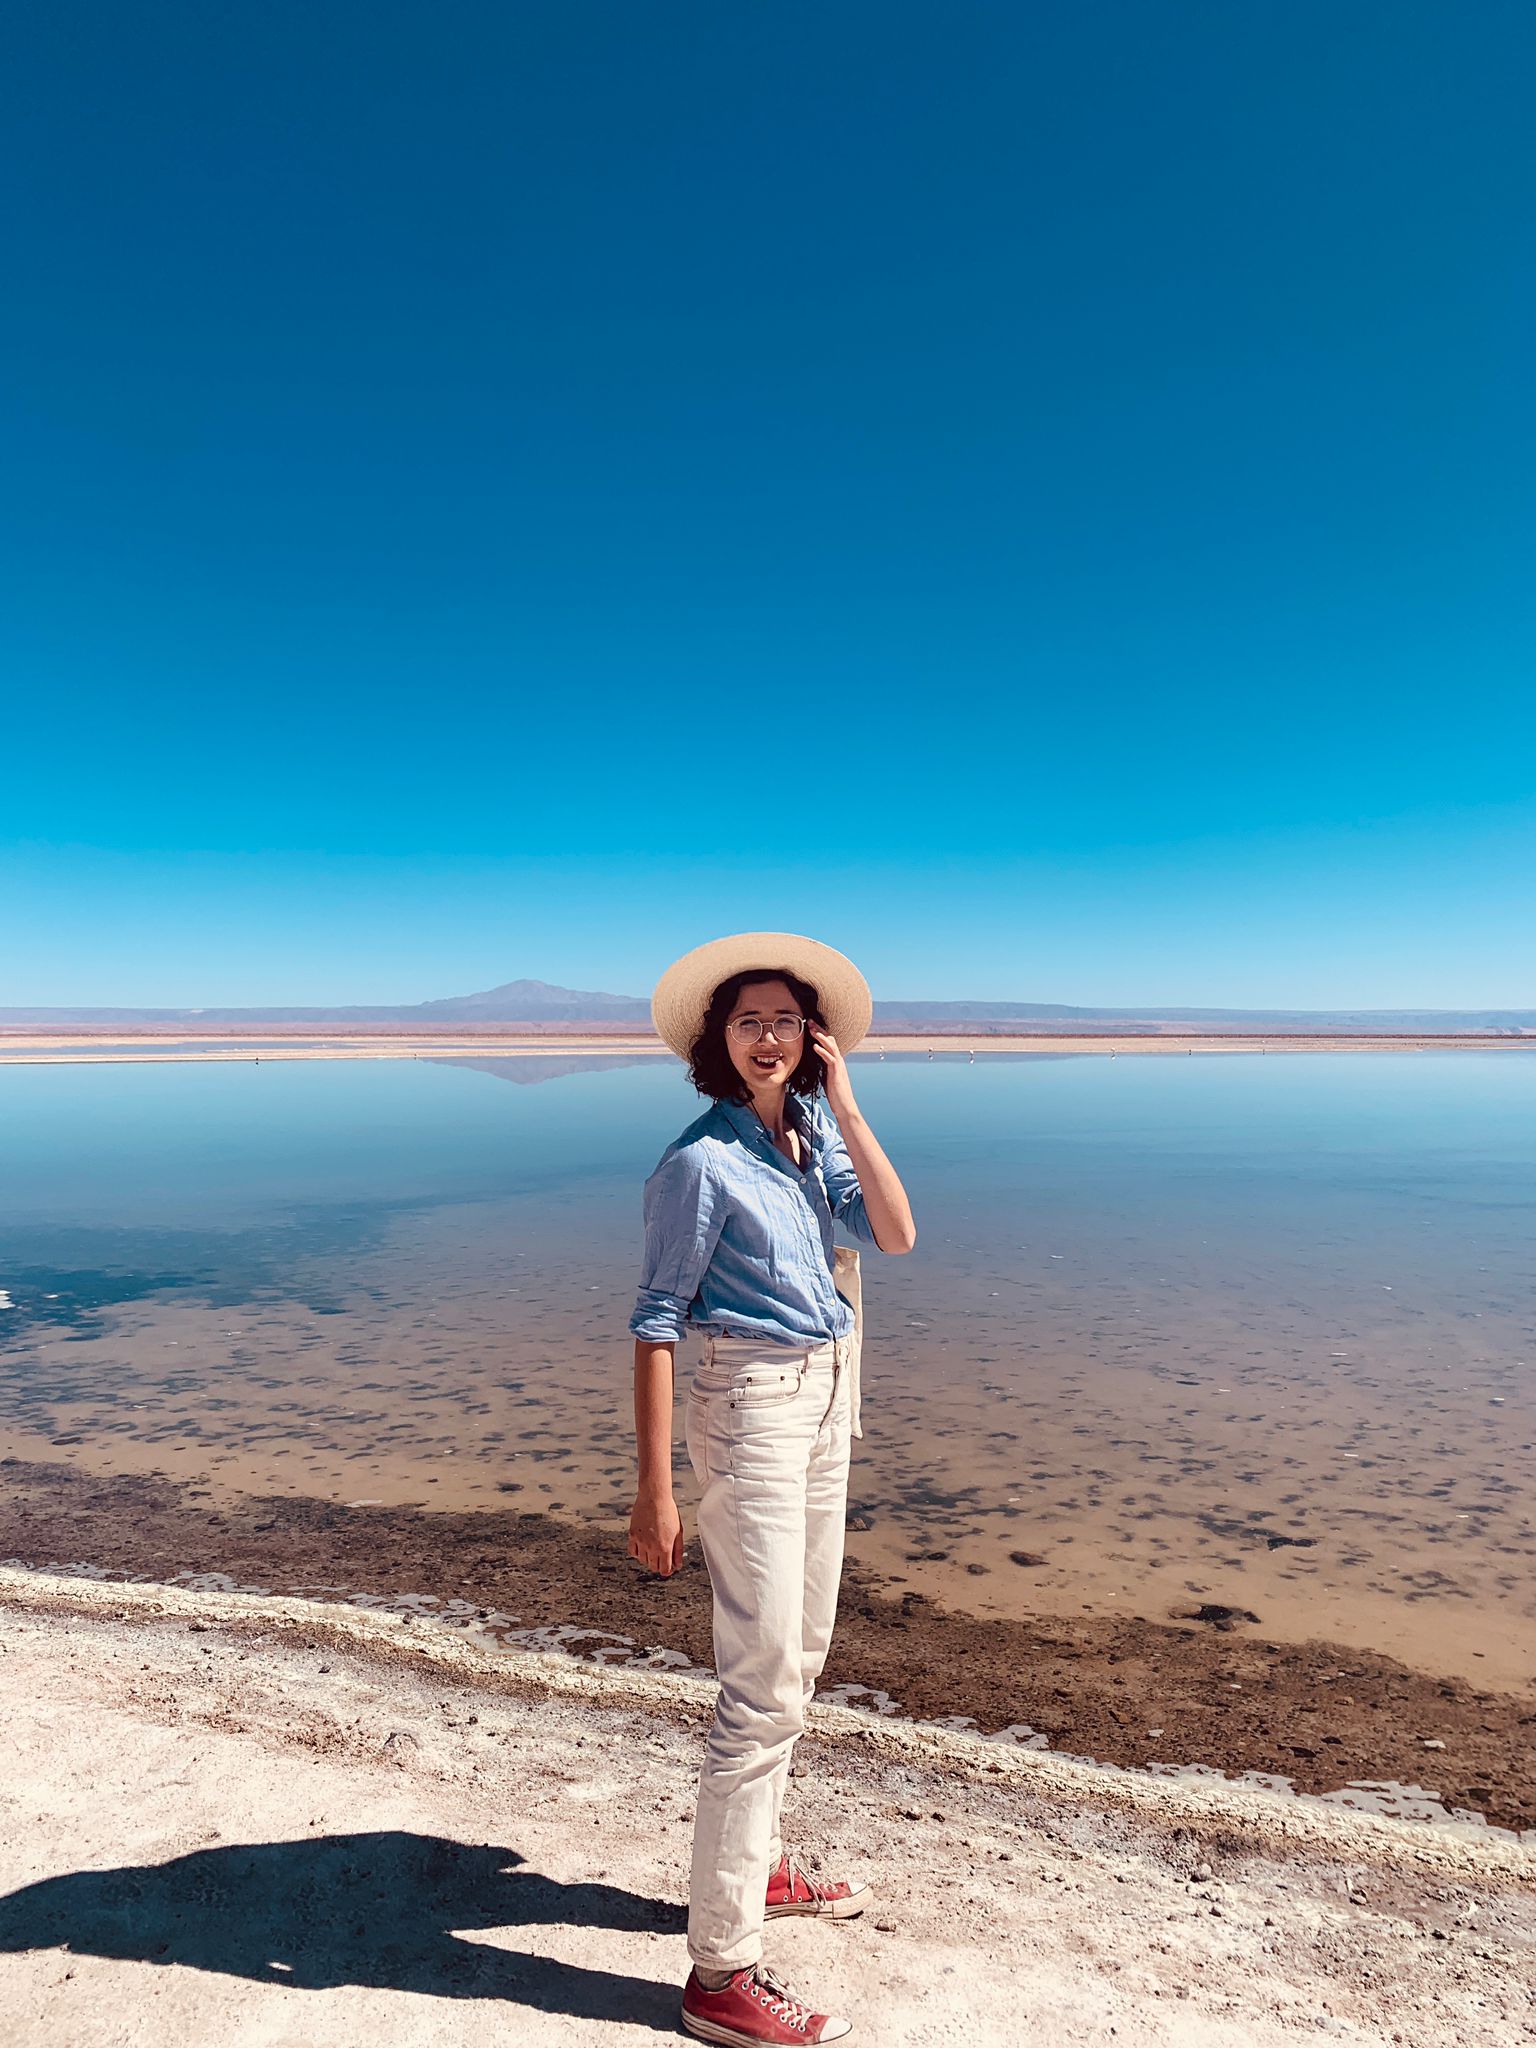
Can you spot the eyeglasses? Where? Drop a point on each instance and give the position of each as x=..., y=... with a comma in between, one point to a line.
x=748, y=1030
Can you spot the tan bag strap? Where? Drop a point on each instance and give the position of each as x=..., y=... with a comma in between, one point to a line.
x=849, y=1282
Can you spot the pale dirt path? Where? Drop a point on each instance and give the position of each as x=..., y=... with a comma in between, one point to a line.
x=296, y=1801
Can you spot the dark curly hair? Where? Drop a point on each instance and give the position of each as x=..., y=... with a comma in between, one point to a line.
x=709, y=1063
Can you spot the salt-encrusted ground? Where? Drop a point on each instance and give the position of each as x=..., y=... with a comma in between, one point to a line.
x=278, y=1824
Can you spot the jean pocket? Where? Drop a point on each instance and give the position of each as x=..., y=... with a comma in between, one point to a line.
x=765, y=1389
x=696, y=1433
x=706, y=1426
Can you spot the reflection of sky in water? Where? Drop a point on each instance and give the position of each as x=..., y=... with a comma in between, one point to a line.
x=1380, y=1138
x=1162, y=1308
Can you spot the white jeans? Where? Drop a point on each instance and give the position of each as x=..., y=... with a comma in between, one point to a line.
x=768, y=1438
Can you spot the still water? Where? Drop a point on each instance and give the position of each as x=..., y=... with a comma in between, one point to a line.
x=1244, y=1329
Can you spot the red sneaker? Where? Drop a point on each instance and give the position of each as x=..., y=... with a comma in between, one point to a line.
x=791, y=1891
x=756, y=2006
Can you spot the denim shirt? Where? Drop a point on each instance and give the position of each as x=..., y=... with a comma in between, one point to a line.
x=738, y=1240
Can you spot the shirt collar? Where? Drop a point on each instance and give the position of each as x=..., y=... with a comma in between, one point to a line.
x=744, y=1119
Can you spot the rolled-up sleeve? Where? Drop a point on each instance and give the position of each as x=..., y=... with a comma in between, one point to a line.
x=684, y=1210
x=837, y=1170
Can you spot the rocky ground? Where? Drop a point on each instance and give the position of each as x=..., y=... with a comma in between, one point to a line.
x=277, y=1822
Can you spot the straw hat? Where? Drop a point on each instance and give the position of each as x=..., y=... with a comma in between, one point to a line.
x=683, y=992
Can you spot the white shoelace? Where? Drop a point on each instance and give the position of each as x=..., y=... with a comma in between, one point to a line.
x=770, y=1989
x=784, y=2004
x=792, y=1870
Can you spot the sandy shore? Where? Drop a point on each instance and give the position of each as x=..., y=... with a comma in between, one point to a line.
x=75, y=1048
x=256, y=1821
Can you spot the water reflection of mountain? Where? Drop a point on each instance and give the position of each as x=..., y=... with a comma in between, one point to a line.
x=530, y=1067
x=536, y=1066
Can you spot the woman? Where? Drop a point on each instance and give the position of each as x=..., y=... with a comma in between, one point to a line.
x=739, y=1244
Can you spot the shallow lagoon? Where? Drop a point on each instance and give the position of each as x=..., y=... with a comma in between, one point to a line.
x=1233, y=1329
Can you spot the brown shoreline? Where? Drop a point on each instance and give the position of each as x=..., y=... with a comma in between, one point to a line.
x=1319, y=1714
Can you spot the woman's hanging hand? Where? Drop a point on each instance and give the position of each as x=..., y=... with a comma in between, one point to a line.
x=656, y=1533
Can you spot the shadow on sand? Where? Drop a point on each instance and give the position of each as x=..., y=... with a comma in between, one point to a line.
x=383, y=1910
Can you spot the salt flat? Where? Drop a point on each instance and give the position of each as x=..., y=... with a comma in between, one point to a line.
x=271, y=1822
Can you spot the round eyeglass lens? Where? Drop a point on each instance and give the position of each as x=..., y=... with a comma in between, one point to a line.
x=786, y=1029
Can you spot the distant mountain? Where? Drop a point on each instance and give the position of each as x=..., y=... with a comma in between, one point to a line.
x=1000, y=1017
x=537, y=1003
x=539, y=1006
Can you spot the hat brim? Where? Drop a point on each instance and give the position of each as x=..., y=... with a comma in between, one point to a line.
x=682, y=995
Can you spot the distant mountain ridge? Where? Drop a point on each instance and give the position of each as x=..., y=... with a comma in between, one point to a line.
x=542, y=1006
x=898, y=1016
x=514, y=1002
x=525, y=1001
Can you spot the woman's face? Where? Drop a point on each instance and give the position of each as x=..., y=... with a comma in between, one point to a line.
x=767, y=1062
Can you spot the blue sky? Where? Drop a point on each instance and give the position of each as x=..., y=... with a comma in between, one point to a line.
x=1038, y=495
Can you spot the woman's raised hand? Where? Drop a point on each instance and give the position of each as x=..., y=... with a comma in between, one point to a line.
x=834, y=1070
